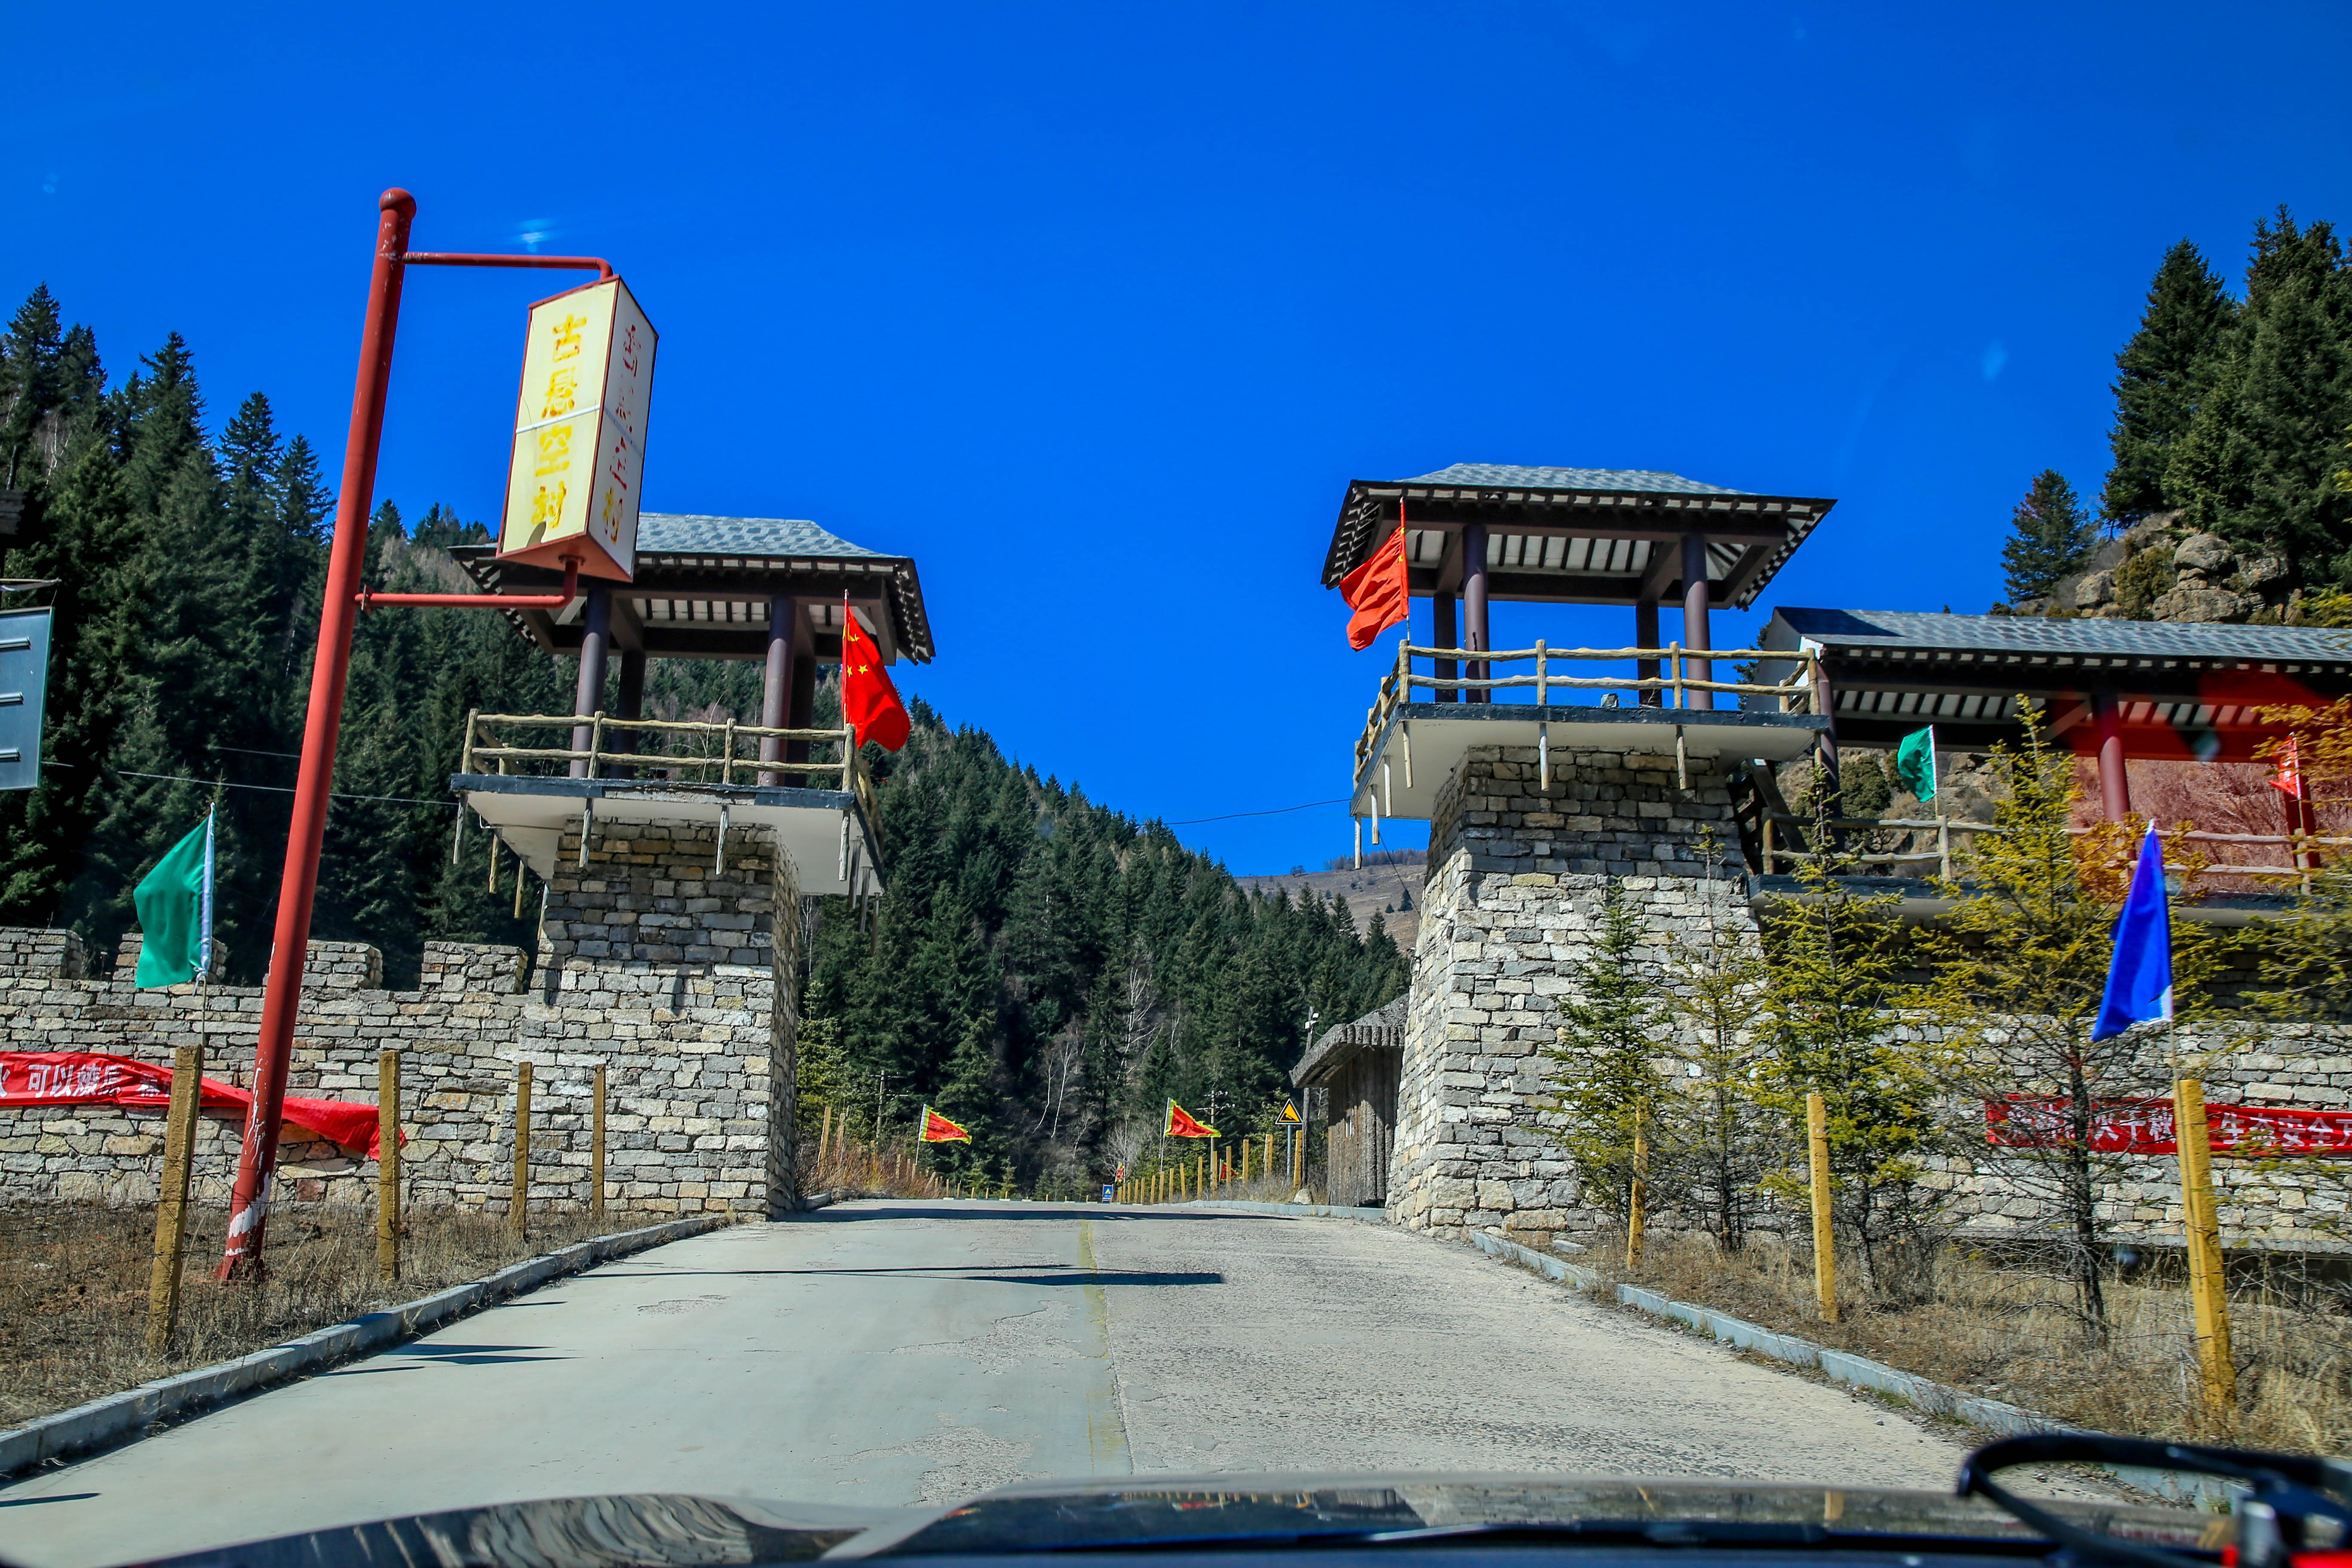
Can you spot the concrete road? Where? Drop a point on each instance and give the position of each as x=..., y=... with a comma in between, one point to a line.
x=888, y=1353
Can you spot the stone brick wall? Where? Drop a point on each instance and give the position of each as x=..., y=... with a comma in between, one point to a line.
x=1513, y=901
x=1518, y=876
x=679, y=980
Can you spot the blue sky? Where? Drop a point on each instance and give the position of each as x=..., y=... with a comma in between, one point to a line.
x=1095, y=309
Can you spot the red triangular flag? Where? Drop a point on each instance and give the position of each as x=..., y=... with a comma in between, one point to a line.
x=938, y=1129
x=1182, y=1124
x=1377, y=590
x=2289, y=779
x=868, y=701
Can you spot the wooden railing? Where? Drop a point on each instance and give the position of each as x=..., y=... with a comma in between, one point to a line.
x=2299, y=848
x=1673, y=685
x=710, y=754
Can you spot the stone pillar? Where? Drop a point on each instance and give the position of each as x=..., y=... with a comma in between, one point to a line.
x=690, y=972
x=1515, y=884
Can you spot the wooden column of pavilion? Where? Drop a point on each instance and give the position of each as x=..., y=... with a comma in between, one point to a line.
x=769, y=589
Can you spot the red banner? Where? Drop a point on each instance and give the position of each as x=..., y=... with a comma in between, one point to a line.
x=2145, y=1126
x=93, y=1077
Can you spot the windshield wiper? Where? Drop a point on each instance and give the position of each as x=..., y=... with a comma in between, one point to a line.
x=2293, y=1504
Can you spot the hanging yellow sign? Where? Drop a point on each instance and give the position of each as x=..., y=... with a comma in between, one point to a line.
x=579, y=443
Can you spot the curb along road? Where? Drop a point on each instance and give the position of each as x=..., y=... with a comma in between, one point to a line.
x=126, y=1417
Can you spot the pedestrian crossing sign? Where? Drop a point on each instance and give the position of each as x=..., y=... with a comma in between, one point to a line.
x=1290, y=1110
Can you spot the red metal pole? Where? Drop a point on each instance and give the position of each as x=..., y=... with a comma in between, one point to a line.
x=249, y=1201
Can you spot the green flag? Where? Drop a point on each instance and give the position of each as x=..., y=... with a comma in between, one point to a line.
x=1915, y=759
x=175, y=911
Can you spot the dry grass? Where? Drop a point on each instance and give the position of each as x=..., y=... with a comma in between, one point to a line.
x=851, y=1168
x=2015, y=1333
x=73, y=1287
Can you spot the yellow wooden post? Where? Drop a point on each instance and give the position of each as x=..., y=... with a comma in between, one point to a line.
x=1817, y=1135
x=521, y=1195
x=1636, y=1198
x=1298, y=1156
x=1200, y=1168
x=2209, y=1295
x=1270, y=1154
x=596, y=1147
x=171, y=1197
x=1245, y=1155
x=387, y=1165
x=824, y=1137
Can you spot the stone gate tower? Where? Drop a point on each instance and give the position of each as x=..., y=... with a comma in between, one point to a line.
x=1547, y=774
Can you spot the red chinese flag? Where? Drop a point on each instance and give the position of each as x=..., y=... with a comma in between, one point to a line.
x=1182, y=1124
x=1376, y=590
x=938, y=1129
x=868, y=701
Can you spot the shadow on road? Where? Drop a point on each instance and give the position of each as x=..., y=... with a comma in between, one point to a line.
x=1075, y=1276
x=884, y=1208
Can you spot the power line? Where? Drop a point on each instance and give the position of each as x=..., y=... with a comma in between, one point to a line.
x=1277, y=811
x=272, y=789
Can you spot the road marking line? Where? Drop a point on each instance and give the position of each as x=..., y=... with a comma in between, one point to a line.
x=1105, y=1412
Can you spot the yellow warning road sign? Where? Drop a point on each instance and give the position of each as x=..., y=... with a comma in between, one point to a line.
x=1290, y=1112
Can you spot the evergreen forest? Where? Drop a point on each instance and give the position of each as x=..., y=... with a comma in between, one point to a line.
x=1043, y=969
x=2234, y=412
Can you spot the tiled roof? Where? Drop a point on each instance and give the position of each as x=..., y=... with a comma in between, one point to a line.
x=2030, y=634
x=681, y=533
x=1504, y=476
x=1381, y=1028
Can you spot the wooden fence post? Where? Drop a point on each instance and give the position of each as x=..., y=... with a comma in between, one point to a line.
x=1817, y=1136
x=1635, y=1207
x=171, y=1197
x=522, y=1197
x=2208, y=1289
x=824, y=1137
x=387, y=1165
x=596, y=1147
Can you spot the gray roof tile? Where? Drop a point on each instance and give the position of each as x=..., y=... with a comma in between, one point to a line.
x=1628, y=479
x=2028, y=633
x=682, y=533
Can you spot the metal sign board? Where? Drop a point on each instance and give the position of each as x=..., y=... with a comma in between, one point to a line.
x=24, y=684
x=1289, y=1111
x=574, y=472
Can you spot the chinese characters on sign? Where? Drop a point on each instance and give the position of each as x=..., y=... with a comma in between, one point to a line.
x=2145, y=1126
x=578, y=442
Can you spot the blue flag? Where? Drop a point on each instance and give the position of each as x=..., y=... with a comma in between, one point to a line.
x=2140, y=977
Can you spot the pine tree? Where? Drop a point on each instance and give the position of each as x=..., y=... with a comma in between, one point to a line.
x=2050, y=537
x=1830, y=1024
x=1608, y=1087
x=1715, y=1133
x=2257, y=464
x=2162, y=375
x=2018, y=967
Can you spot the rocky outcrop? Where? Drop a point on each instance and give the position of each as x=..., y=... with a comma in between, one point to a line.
x=2161, y=571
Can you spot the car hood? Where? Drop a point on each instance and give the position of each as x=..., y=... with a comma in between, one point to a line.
x=663, y=1530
